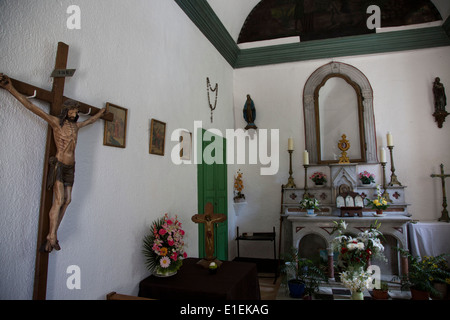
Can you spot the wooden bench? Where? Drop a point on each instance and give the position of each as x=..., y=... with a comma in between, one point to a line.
x=116, y=296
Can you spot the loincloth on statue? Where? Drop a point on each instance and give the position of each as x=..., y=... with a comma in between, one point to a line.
x=61, y=172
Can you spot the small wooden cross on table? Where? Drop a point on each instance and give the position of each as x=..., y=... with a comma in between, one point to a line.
x=444, y=216
x=56, y=99
x=209, y=219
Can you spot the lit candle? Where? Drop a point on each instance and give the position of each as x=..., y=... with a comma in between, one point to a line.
x=390, y=140
x=305, y=158
x=383, y=155
x=290, y=144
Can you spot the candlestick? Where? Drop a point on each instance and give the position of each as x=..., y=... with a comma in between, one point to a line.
x=305, y=194
x=305, y=158
x=290, y=183
x=385, y=194
x=290, y=144
x=394, y=179
x=390, y=140
x=383, y=155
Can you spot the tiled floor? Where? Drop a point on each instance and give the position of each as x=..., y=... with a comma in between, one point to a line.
x=335, y=291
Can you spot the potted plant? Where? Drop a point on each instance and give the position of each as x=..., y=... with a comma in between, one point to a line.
x=309, y=204
x=302, y=275
x=379, y=203
x=423, y=273
x=319, y=178
x=382, y=292
x=366, y=177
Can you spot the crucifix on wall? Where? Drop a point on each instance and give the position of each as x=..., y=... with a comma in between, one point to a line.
x=444, y=216
x=62, y=136
x=209, y=219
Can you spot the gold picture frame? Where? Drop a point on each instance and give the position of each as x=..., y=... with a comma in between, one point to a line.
x=115, y=133
x=157, y=137
x=185, y=145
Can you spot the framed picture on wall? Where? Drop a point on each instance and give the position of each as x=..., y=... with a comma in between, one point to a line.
x=115, y=131
x=185, y=145
x=157, y=137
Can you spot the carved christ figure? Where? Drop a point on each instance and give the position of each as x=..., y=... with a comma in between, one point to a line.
x=209, y=219
x=62, y=166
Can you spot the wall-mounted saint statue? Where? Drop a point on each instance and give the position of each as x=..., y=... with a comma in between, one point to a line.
x=440, y=101
x=250, y=114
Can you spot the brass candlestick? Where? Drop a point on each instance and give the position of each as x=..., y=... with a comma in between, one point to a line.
x=394, y=180
x=305, y=194
x=385, y=194
x=290, y=183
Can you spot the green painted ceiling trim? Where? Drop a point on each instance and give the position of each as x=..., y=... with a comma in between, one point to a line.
x=204, y=17
x=345, y=46
x=446, y=26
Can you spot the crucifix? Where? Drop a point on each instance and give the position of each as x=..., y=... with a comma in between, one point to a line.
x=444, y=216
x=209, y=219
x=65, y=137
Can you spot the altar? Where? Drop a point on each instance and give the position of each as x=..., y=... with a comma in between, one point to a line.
x=312, y=235
x=323, y=226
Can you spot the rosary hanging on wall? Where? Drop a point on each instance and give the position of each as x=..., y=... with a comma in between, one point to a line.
x=216, y=90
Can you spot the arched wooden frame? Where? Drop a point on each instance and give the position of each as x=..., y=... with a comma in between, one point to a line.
x=357, y=77
x=360, y=118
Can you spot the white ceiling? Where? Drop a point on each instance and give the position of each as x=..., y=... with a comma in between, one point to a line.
x=232, y=13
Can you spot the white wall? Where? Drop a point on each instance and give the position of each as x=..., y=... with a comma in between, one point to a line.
x=403, y=104
x=146, y=56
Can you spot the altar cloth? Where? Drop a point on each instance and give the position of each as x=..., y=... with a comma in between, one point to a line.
x=429, y=238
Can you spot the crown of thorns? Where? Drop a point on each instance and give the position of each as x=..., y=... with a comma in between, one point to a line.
x=70, y=104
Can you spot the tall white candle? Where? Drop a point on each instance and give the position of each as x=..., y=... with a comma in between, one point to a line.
x=290, y=144
x=390, y=140
x=383, y=155
x=305, y=157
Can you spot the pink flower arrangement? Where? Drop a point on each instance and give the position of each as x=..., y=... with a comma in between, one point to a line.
x=318, y=178
x=366, y=177
x=164, y=246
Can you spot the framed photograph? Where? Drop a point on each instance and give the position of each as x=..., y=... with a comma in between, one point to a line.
x=116, y=131
x=185, y=145
x=157, y=137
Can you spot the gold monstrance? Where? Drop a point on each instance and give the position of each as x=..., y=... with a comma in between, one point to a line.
x=344, y=145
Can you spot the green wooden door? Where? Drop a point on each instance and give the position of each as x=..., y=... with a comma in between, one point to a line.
x=212, y=187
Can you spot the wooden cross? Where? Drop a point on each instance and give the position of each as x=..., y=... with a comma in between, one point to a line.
x=56, y=99
x=209, y=219
x=444, y=216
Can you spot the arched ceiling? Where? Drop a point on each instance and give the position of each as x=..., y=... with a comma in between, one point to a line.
x=234, y=14
x=221, y=22
x=325, y=19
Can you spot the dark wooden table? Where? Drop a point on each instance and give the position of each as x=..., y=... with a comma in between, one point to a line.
x=233, y=281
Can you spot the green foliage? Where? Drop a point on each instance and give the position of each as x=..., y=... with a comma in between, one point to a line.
x=423, y=273
x=304, y=270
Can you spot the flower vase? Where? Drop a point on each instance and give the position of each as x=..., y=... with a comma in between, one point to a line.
x=310, y=212
x=319, y=185
x=163, y=273
x=357, y=295
x=379, y=212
